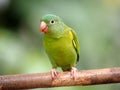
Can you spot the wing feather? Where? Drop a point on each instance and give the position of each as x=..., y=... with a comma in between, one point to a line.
x=76, y=44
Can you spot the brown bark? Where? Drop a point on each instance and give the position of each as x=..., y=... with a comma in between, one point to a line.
x=44, y=80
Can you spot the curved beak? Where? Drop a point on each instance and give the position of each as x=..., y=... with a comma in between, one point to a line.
x=43, y=27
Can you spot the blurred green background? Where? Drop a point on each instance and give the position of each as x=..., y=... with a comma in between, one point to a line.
x=97, y=23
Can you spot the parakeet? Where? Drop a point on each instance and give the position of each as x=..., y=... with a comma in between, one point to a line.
x=61, y=44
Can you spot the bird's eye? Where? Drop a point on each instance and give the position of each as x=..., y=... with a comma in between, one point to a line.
x=52, y=22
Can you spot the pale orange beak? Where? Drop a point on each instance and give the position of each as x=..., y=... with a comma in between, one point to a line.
x=43, y=27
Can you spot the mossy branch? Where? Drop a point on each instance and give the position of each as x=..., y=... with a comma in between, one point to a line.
x=44, y=80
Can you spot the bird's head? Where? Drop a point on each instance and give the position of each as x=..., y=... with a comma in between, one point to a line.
x=51, y=24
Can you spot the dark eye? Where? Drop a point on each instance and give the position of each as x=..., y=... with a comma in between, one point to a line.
x=52, y=22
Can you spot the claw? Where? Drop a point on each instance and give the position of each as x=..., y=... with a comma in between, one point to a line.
x=53, y=73
x=74, y=73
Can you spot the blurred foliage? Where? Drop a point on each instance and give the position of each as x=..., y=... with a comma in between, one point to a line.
x=97, y=23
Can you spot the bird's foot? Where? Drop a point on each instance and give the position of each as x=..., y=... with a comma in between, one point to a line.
x=53, y=73
x=74, y=73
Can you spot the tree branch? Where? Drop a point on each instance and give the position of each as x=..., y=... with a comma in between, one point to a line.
x=43, y=80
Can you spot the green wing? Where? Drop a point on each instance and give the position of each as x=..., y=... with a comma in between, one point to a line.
x=76, y=44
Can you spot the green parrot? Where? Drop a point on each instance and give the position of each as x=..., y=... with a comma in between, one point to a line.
x=61, y=44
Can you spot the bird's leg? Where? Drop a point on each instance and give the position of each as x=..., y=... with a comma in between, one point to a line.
x=53, y=73
x=74, y=72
